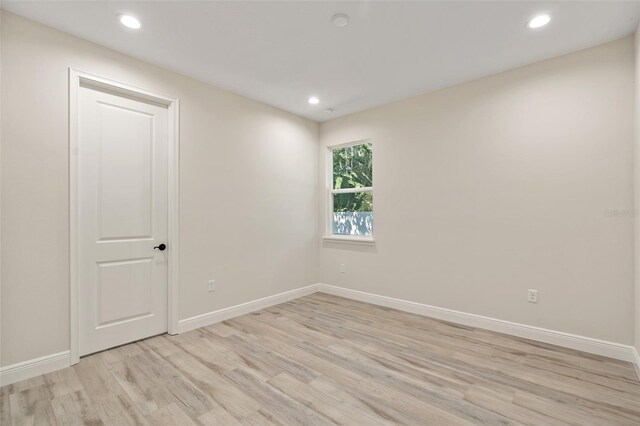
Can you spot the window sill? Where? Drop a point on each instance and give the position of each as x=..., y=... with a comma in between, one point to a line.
x=349, y=239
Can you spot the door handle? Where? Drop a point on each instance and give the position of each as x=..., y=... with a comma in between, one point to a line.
x=161, y=247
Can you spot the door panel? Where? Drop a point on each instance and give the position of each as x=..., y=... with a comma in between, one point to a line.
x=125, y=160
x=122, y=215
x=124, y=290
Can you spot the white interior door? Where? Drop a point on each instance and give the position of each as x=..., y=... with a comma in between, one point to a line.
x=122, y=216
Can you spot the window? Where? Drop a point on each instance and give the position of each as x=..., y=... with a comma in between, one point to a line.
x=351, y=194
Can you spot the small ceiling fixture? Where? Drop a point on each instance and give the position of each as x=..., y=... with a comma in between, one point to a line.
x=328, y=110
x=314, y=101
x=538, y=21
x=340, y=19
x=130, y=22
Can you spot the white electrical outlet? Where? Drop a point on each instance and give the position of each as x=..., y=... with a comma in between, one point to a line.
x=343, y=268
x=532, y=296
x=212, y=285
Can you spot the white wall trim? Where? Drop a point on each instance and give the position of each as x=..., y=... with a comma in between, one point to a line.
x=46, y=364
x=213, y=317
x=76, y=78
x=636, y=363
x=34, y=367
x=349, y=239
x=559, y=338
x=173, y=217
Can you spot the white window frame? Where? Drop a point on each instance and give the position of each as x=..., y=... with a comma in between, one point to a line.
x=329, y=236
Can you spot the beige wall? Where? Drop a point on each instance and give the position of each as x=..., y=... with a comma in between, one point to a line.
x=482, y=191
x=489, y=188
x=245, y=168
x=637, y=191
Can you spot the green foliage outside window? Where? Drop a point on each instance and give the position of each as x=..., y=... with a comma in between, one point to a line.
x=353, y=168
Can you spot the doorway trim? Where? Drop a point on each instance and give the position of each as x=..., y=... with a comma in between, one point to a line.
x=77, y=78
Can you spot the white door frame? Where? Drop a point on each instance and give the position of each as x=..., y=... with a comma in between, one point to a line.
x=76, y=78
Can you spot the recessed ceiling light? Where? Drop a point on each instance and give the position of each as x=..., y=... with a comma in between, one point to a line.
x=313, y=100
x=538, y=21
x=130, y=21
x=340, y=19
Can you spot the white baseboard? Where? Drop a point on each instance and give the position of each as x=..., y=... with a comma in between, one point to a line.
x=46, y=364
x=244, y=308
x=559, y=338
x=49, y=363
x=636, y=363
x=34, y=367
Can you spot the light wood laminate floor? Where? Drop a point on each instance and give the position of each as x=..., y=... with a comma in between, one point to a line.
x=323, y=360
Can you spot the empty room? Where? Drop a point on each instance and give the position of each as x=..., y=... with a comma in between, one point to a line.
x=319, y=213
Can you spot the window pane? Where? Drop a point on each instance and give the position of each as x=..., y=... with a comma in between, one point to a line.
x=353, y=213
x=352, y=167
